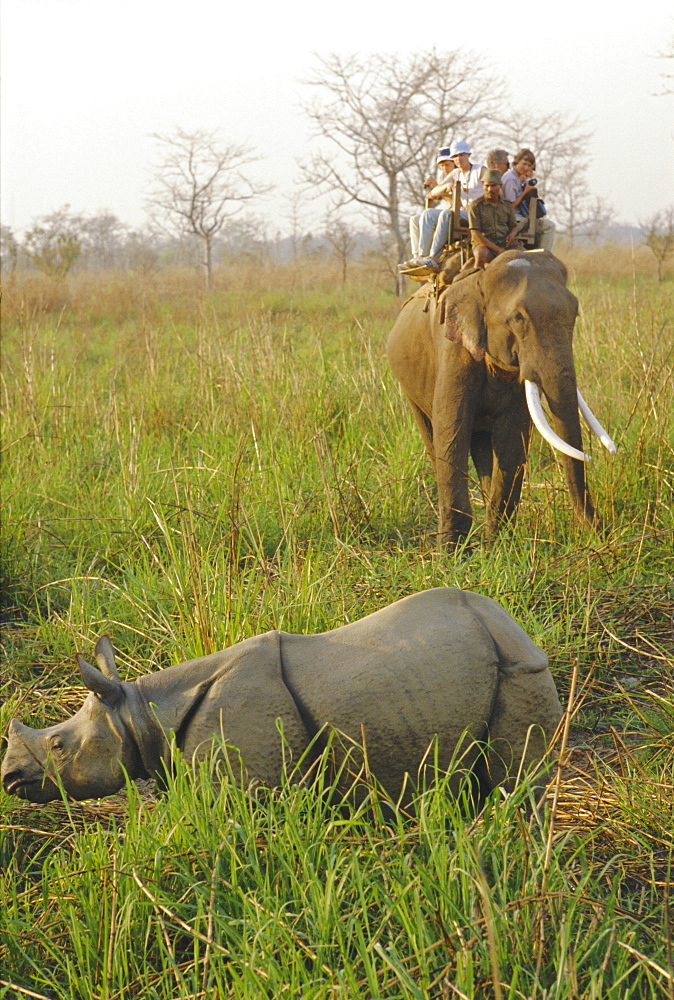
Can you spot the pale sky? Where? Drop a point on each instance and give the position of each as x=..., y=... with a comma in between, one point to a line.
x=85, y=84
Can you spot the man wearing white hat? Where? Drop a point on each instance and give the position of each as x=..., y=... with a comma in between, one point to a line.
x=428, y=248
x=465, y=171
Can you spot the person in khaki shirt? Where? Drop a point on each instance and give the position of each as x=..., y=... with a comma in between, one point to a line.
x=491, y=220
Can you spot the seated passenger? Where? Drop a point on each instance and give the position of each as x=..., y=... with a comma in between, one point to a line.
x=434, y=230
x=422, y=226
x=518, y=187
x=498, y=159
x=492, y=221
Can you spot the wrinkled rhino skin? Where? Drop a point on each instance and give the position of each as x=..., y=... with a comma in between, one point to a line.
x=443, y=662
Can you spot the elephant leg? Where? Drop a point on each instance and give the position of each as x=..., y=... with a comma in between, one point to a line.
x=510, y=440
x=425, y=429
x=483, y=459
x=452, y=442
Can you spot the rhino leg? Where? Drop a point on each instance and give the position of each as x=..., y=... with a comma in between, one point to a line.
x=526, y=709
x=524, y=718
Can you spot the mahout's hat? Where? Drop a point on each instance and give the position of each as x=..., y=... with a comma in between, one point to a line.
x=491, y=177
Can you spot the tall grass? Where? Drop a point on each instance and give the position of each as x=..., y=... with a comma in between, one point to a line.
x=185, y=470
x=216, y=891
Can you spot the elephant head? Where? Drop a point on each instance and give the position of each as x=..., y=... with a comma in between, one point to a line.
x=497, y=339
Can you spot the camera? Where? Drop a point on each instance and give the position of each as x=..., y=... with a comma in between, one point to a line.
x=532, y=181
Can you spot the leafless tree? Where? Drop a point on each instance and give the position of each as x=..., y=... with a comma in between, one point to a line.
x=104, y=238
x=600, y=215
x=199, y=186
x=658, y=234
x=342, y=239
x=9, y=250
x=667, y=75
x=295, y=217
x=380, y=119
x=555, y=139
x=243, y=238
x=575, y=211
x=142, y=252
x=54, y=243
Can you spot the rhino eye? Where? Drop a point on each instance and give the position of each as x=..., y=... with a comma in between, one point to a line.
x=57, y=744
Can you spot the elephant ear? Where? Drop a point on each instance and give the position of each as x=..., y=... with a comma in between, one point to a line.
x=464, y=316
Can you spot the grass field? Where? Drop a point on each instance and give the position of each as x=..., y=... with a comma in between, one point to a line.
x=185, y=470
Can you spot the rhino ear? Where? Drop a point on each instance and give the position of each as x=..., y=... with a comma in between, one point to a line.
x=464, y=316
x=107, y=688
x=105, y=658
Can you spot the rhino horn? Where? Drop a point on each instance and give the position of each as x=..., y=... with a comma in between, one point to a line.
x=109, y=689
x=105, y=658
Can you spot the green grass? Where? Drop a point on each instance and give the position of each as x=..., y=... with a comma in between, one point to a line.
x=185, y=471
x=218, y=890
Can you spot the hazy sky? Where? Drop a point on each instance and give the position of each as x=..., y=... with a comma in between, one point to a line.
x=85, y=84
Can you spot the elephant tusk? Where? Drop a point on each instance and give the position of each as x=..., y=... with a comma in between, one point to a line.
x=533, y=397
x=594, y=425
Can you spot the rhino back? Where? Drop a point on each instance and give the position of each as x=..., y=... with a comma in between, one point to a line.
x=423, y=666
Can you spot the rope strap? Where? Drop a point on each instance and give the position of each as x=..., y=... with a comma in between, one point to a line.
x=506, y=373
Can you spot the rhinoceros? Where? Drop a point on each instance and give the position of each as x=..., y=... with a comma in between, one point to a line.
x=442, y=663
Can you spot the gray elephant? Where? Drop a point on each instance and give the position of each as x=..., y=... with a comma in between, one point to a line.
x=471, y=361
x=441, y=663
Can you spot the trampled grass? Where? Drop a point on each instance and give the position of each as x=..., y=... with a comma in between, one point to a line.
x=183, y=471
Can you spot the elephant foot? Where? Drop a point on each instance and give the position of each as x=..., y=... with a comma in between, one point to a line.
x=491, y=530
x=454, y=525
x=589, y=519
x=462, y=542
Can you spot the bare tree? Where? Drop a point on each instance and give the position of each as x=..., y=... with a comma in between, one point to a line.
x=668, y=76
x=9, y=250
x=54, y=243
x=381, y=119
x=243, y=238
x=555, y=138
x=142, y=252
x=569, y=195
x=104, y=238
x=576, y=211
x=658, y=234
x=343, y=241
x=199, y=186
x=599, y=216
x=295, y=218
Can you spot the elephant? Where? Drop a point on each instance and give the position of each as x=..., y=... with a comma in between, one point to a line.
x=472, y=359
x=442, y=663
